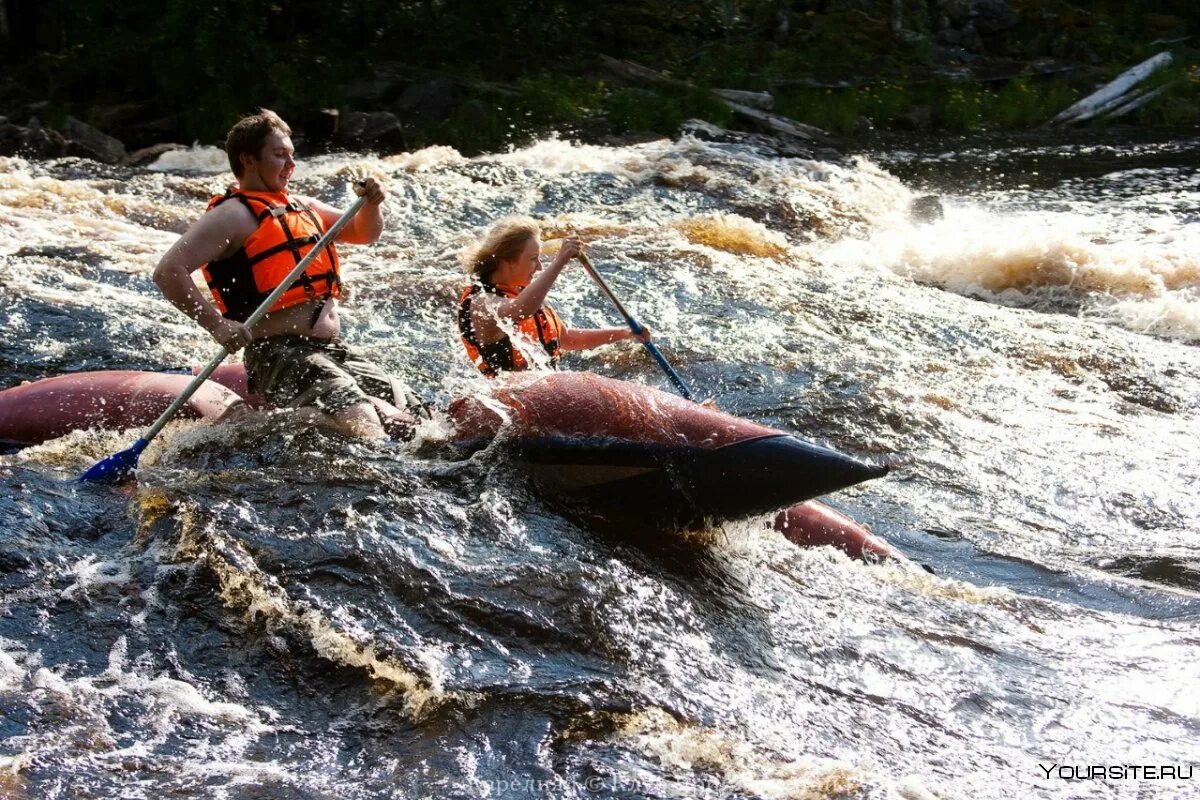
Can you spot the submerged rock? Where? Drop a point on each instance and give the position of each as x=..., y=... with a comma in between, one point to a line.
x=148, y=155
x=31, y=140
x=926, y=209
x=89, y=142
x=778, y=145
x=374, y=129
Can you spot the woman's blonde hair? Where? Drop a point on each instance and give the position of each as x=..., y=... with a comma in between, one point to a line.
x=504, y=241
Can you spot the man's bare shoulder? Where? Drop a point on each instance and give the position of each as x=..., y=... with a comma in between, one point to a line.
x=219, y=233
x=230, y=216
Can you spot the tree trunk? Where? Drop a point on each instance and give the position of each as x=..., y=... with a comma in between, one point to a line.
x=1113, y=94
x=1137, y=102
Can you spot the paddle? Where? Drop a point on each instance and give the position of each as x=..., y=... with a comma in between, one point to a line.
x=637, y=329
x=115, y=467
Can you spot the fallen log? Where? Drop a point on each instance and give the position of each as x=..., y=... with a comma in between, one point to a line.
x=635, y=72
x=769, y=145
x=762, y=100
x=1112, y=95
x=1137, y=102
x=767, y=121
x=810, y=83
x=776, y=123
x=1033, y=70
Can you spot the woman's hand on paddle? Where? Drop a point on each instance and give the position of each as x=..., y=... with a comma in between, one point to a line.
x=373, y=190
x=571, y=247
x=643, y=337
x=231, y=334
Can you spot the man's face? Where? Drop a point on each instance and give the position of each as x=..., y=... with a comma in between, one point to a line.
x=275, y=164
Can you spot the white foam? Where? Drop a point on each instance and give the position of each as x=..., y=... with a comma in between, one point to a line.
x=184, y=698
x=91, y=574
x=12, y=674
x=557, y=156
x=15, y=765
x=197, y=158
x=1146, y=285
x=743, y=766
x=1173, y=315
x=244, y=585
x=66, y=704
x=912, y=787
x=425, y=159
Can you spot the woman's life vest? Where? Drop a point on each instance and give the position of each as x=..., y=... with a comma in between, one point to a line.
x=543, y=328
x=287, y=230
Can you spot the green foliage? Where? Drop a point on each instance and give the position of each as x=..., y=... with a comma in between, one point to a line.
x=204, y=64
x=474, y=127
x=659, y=112
x=839, y=110
x=726, y=63
x=835, y=110
x=543, y=102
x=837, y=42
x=638, y=109
x=1179, y=101
x=701, y=103
x=884, y=102
x=550, y=99
x=959, y=107
x=1024, y=104
x=956, y=106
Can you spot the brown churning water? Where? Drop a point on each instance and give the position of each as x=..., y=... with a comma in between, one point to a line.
x=309, y=617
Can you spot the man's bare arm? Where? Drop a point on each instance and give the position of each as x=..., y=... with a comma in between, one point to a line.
x=367, y=225
x=211, y=237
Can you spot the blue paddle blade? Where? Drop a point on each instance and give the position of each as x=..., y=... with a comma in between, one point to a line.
x=117, y=467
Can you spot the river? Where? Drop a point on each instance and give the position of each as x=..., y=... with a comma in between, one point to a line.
x=276, y=613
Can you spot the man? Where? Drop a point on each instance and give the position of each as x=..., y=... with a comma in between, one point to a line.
x=246, y=243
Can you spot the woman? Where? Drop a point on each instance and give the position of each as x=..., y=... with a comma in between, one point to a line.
x=505, y=322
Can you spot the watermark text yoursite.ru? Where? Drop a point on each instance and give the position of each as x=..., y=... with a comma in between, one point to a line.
x=1116, y=772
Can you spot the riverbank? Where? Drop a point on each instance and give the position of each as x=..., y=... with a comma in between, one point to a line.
x=152, y=76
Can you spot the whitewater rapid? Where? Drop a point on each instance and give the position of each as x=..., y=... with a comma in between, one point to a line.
x=273, y=612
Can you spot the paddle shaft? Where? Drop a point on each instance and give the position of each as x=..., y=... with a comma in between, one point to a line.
x=258, y=314
x=637, y=329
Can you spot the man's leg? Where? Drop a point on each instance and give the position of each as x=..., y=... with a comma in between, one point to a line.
x=399, y=424
x=238, y=411
x=391, y=398
x=306, y=375
x=360, y=420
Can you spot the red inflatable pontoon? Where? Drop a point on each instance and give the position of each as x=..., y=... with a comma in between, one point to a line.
x=621, y=449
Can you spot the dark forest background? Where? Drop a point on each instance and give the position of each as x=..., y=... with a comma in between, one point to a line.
x=477, y=76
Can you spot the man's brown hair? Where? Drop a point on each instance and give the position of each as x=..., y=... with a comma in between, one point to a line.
x=247, y=135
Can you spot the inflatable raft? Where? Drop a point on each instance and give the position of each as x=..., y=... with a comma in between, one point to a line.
x=623, y=449
x=652, y=456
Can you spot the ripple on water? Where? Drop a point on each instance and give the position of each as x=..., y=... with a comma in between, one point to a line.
x=280, y=609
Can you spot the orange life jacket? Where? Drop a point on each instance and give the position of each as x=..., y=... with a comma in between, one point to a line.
x=287, y=230
x=544, y=327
